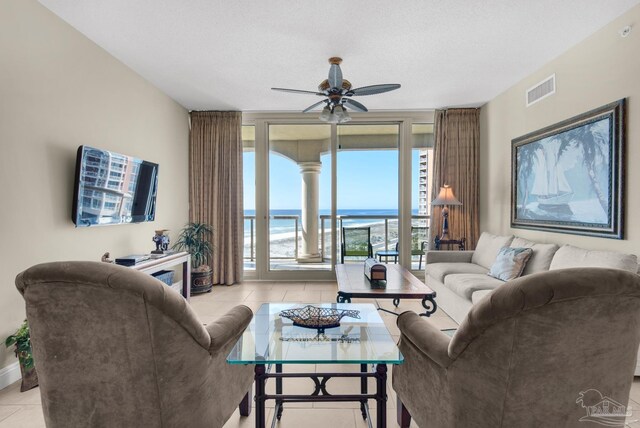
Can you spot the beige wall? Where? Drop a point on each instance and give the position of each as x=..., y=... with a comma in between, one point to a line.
x=59, y=90
x=601, y=69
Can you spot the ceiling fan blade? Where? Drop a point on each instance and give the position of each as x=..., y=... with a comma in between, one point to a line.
x=335, y=76
x=298, y=91
x=373, y=89
x=354, y=105
x=313, y=106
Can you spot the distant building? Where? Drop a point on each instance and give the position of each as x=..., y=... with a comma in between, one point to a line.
x=424, y=191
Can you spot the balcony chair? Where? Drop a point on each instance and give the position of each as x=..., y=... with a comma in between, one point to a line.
x=543, y=350
x=116, y=347
x=356, y=242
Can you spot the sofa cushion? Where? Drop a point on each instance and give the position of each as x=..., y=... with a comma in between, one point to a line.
x=569, y=256
x=479, y=295
x=465, y=284
x=540, y=259
x=439, y=271
x=488, y=247
x=510, y=263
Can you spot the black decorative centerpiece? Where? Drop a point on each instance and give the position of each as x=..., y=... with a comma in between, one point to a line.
x=318, y=318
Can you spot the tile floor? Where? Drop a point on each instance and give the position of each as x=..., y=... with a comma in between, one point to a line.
x=23, y=410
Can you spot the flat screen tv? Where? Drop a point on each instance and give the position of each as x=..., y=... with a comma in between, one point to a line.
x=111, y=188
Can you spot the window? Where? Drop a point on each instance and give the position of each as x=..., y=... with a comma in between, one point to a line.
x=249, y=195
x=421, y=177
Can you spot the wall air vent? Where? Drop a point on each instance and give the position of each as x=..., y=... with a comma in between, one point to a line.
x=541, y=90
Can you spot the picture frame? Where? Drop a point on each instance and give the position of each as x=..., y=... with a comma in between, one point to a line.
x=569, y=177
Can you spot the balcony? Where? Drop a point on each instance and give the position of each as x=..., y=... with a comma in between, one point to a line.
x=286, y=239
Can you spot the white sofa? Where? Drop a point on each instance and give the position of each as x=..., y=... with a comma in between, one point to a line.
x=460, y=278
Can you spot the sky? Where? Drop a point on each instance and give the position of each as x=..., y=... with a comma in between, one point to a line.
x=366, y=180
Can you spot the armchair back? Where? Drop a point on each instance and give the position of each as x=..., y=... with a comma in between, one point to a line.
x=540, y=341
x=115, y=346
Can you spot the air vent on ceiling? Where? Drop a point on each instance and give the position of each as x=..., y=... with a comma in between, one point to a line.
x=541, y=90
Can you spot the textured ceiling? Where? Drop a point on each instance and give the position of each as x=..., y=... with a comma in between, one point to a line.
x=215, y=54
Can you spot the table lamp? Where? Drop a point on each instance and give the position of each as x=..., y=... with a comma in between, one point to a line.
x=445, y=198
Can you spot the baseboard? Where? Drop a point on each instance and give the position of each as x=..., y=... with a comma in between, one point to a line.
x=9, y=375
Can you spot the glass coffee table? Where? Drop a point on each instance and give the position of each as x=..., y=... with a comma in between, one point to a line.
x=273, y=341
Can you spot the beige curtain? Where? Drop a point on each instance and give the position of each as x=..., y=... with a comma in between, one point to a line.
x=456, y=163
x=215, y=188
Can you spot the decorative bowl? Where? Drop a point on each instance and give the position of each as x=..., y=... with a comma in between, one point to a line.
x=318, y=318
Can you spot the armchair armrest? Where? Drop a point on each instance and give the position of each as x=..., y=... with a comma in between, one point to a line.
x=448, y=257
x=226, y=331
x=428, y=339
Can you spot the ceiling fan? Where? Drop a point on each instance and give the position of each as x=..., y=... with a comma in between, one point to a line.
x=338, y=94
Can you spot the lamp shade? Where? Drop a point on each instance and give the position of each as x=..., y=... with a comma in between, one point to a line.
x=446, y=197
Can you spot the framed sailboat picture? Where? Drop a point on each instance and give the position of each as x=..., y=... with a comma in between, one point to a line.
x=569, y=177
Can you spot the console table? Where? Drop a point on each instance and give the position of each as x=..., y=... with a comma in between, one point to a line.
x=169, y=262
x=449, y=243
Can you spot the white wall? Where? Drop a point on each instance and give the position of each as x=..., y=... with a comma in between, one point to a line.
x=59, y=90
x=602, y=69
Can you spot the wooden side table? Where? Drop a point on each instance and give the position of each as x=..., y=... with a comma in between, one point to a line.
x=450, y=243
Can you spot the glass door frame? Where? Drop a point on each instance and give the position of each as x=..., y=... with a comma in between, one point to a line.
x=262, y=120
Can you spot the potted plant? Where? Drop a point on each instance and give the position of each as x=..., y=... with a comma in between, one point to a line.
x=195, y=238
x=22, y=342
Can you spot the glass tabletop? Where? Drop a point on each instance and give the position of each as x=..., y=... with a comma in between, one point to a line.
x=272, y=339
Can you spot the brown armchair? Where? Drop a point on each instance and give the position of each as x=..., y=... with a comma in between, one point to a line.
x=116, y=347
x=524, y=354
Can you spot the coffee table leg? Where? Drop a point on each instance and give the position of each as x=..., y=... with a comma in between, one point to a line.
x=381, y=395
x=279, y=403
x=363, y=390
x=343, y=297
x=260, y=381
x=429, y=303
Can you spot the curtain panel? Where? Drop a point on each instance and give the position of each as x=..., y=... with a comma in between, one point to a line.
x=215, y=188
x=456, y=163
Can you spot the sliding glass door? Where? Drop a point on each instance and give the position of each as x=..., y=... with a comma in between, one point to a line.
x=312, y=189
x=367, y=192
x=299, y=197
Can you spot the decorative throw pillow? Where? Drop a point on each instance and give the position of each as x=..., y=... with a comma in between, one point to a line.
x=510, y=263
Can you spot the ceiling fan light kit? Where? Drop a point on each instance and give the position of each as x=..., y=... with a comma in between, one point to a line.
x=337, y=92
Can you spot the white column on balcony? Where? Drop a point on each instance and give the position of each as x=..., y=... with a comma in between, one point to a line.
x=310, y=172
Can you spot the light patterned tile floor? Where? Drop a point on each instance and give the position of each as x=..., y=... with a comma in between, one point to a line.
x=23, y=410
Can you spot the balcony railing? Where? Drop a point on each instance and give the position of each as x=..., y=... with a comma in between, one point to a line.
x=252, y=234
x=382, y=238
